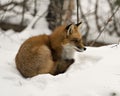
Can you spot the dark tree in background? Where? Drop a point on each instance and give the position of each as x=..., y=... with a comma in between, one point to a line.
x=59, y=12
x=54, y=15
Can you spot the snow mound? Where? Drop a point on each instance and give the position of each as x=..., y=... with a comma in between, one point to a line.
x=96, y=72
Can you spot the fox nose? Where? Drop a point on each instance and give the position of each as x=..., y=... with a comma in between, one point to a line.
x=84, y=48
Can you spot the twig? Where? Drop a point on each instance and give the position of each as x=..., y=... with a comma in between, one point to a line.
x=35, y=7
x=33, y=26
x=10, y=3
x=102, y=30
x=96, y=15
x=23, y=12
x=36, y=19
x=114, y=20
x=86, y=22
x=78, y=19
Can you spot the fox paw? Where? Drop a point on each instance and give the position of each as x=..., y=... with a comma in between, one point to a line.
x=69, y=61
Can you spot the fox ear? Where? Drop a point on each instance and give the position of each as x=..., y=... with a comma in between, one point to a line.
x=78, y=24
x=69, y=29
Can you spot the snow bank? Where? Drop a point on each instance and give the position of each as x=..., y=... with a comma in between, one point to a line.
x=96, y=72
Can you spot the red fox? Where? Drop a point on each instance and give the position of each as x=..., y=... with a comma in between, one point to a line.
x=51, y=54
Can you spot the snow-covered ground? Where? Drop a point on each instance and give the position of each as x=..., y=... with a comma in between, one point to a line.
x=96, y=72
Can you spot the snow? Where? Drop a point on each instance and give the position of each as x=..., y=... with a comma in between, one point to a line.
x=96, y=72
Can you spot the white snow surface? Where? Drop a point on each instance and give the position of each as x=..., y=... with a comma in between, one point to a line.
x=96, y=72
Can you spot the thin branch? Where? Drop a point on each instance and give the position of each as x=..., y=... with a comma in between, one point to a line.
x=102, y=30
x=23, y=12
x=35, y=7
x=86, y=22
x=78, y=19
x=37, y=19
x=96, y=15
x=10, y=3
x=114, y=20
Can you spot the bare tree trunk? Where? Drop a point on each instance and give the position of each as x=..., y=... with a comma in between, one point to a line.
x=59, y=12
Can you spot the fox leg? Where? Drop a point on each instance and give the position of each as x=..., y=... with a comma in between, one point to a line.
x=63, y=65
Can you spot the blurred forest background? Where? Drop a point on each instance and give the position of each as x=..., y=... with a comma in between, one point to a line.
x=98, y=17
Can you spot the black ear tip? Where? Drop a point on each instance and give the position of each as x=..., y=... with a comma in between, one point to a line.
x=79, y=23
x=67, y=27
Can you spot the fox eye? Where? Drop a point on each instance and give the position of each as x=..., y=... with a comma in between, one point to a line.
x=75, y=40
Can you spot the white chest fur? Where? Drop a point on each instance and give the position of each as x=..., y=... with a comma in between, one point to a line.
x=68, y=52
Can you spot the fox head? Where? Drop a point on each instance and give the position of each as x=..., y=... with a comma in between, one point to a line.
x=73, y=38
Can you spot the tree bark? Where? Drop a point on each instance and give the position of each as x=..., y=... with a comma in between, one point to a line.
x=59, y=12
